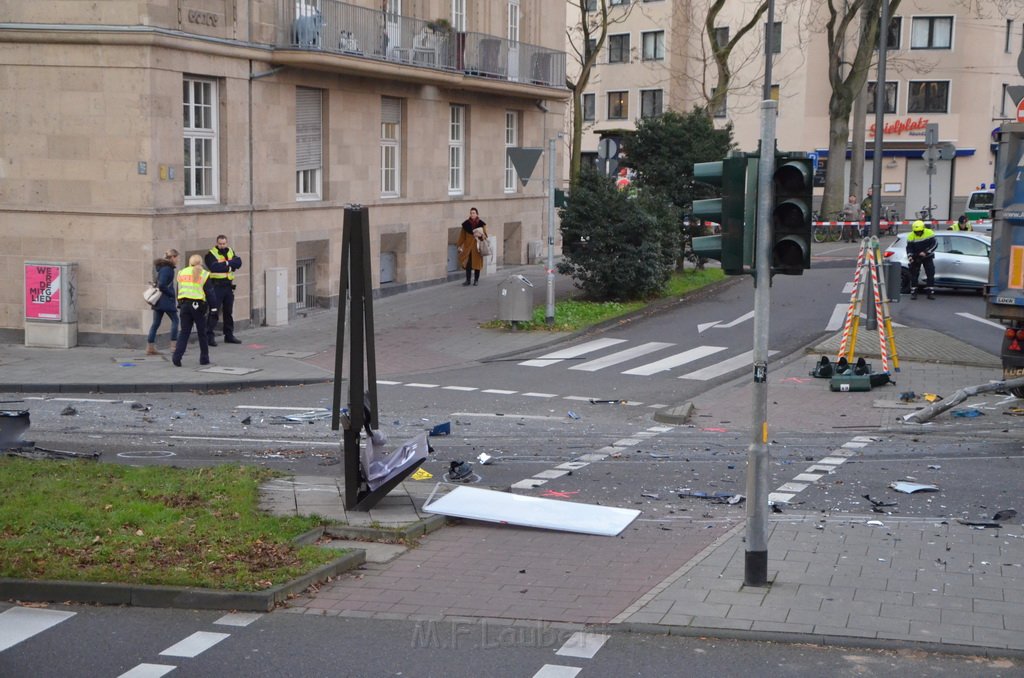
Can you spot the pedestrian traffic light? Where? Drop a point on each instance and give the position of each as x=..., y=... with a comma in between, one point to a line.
x=791, y=215
x=734, y=246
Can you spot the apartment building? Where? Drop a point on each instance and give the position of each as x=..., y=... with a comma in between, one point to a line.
x=128, y=128
x=948, y=63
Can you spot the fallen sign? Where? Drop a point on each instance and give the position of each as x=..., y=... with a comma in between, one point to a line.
x=910, y=488
x=516, y=509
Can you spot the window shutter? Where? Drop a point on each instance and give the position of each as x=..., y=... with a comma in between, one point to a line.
x=390, y=110
x=308, y=129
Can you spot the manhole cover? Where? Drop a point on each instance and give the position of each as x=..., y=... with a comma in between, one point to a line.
x=229, y=370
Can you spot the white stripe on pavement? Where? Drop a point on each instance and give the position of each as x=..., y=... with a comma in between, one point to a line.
x=742, y=318
x=838, y=317
x=984, y=321
x=555, y=671
x=459, y=388
x=621, y=356
x=675, y=360
x=557, y=356
x=148, y=671
x=21, y=623
x=192, y=646
x=281, y=407
x=723, y=367
x=582, y=644
x=239, y=618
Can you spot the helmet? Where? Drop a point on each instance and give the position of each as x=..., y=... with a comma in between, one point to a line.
x=918, y=226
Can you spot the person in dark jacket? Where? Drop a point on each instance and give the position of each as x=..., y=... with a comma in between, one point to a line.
x=167, y=303
x=222, y=262
x=921, y=246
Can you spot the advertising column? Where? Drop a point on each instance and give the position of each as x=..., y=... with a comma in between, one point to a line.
x=51, y=304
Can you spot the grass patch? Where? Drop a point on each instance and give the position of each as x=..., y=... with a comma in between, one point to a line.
x=576, y=314
x=83, y=521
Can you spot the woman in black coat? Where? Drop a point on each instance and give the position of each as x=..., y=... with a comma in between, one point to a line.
x=167, y=303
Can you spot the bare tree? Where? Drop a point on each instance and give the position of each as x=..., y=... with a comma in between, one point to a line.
x=846, y=79
x=720, y=52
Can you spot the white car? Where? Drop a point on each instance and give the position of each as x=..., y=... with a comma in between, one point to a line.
x=961, y=260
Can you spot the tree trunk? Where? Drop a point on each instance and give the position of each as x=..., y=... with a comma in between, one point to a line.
x=838, y=134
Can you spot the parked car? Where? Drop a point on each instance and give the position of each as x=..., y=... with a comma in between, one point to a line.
x=961, y=260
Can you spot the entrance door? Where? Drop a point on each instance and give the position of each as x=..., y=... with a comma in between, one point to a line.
x=393, y=27
x=513, y=40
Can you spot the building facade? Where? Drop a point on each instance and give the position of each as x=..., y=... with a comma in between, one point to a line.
x=128, y=128
x=948, y=63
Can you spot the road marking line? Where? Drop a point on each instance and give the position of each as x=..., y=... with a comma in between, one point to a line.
x=809, y=477
x=583, y=645
x=539, y=395
x=779, y=497
x=855, y=444
x=415, y=385
x=626, y=442
x=984, y=321
x=838, y=316
x=78, y=400
x=540, y=417
x=574, y=465
x=148, y=671
x=583, y=398
x=382, y=382
x=792, y=487
x=21, y=623
x=723, y=367
x=621, y=356
x=276, y=407
x=256, y=440
x=239, y=618
x=834, y=461
x=558, y=356
x=819, y=467
x=661, y=429
x=742, y=318
x=499, y=391
x=192, y=646
x=460, y=388
x=590, y=458
x=675, y=360
x=551, y=474
x=527, y=484
x=657, y=406
x=556, y=671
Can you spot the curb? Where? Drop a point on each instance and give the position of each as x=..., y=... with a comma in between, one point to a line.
x=163, y=387
x=411, y=531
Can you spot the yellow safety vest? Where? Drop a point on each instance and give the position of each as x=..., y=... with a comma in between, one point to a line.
x=230, y=275
x=187, y=288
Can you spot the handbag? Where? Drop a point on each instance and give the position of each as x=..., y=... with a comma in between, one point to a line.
x=483, y=245
x=151, y=293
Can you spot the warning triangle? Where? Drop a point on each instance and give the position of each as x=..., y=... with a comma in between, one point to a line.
x=524, y=160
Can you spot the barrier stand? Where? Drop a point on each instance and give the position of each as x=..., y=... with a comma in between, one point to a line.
x=869, y=258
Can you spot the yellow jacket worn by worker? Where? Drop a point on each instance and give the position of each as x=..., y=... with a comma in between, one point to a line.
x=222, y=258
x=188, y=288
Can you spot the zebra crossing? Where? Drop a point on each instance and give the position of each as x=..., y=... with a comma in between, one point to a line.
x=646, y=350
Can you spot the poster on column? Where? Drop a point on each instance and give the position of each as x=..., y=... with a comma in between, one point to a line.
x=42, y=292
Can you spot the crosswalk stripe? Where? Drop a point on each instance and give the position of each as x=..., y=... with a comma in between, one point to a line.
x=557, y=356
x=148, y=671
x=195, y=644
x=723, y=367
x=621, y=356
x=675, y=360
x=21, y=623
x=838, y=318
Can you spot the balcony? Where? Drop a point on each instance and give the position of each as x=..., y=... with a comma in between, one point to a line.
x=338, y=28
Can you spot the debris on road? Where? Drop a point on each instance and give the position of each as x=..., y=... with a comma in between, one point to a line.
x=69, y=411
x=459, y=470
x=1005, y=514
x=910, y=488
x=247, y=421
x=444, y=429
x=573, y=415
x=13, y=423
x=979, y=523
x=877, y=505
x=968, y=412
x=484, y=458
x=714, y=497
x=595, y=401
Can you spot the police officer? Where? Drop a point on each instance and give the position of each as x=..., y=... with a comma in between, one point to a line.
x=921, y=246
x=192, y=309
x=222, y=262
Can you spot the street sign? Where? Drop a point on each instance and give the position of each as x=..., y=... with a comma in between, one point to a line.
x=1020, y=111
x=931, y=134
x=524, y=160
x=607, y=148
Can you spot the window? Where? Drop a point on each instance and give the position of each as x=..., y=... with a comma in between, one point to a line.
x=1009, y=31
x=722, y=36
x=654, y=45
x=459, y=15
x=892, y=41
x=931, y=32
x=308, y=143
x=650, y=103
x=511, y=140
x=456, y=149
x=618, y=49
x=618, y=105
x=591, y=46
x=199, y=99
x=776, y=37
x=721, y=110
x=513, y=22
x=618, y=2
x=589, y=106
x=390, y=146
x=928, y=96
x=591, y=5
x=891, y=90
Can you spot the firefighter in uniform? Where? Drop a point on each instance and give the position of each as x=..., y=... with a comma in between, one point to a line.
x=921, y=246
x=222, y=262
x=192, y=308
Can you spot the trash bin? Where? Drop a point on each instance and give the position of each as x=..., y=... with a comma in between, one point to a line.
x=515, y=299
x=893, y=280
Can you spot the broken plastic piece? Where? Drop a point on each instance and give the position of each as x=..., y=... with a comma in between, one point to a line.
x=595, y=401
x=484, y=458
x=444, y=429
x=931, y=397
x=875, y=523
x=877, y=502
x=459, y=470
x=573, y=415
x=1005, y=514
x=908, y=396
x=968, y=412
x=911, y=488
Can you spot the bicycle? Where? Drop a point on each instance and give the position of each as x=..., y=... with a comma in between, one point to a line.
x=890, y=215
x=826, y=231
x=926, y=212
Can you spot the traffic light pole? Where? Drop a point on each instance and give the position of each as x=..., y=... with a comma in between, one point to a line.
x=755, y=572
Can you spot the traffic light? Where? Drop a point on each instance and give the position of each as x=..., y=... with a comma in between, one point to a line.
x=791, y=215
x=734, y=212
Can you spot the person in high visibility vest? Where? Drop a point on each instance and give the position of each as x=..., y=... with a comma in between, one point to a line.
x=222, y=262
x=921, y=246
x=193, y=309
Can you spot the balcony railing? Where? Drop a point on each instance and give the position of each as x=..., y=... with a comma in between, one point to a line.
x=344, y=29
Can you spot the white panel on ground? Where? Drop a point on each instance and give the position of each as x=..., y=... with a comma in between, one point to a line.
x=148, y=671
x=551, y=514
x=552, y=358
